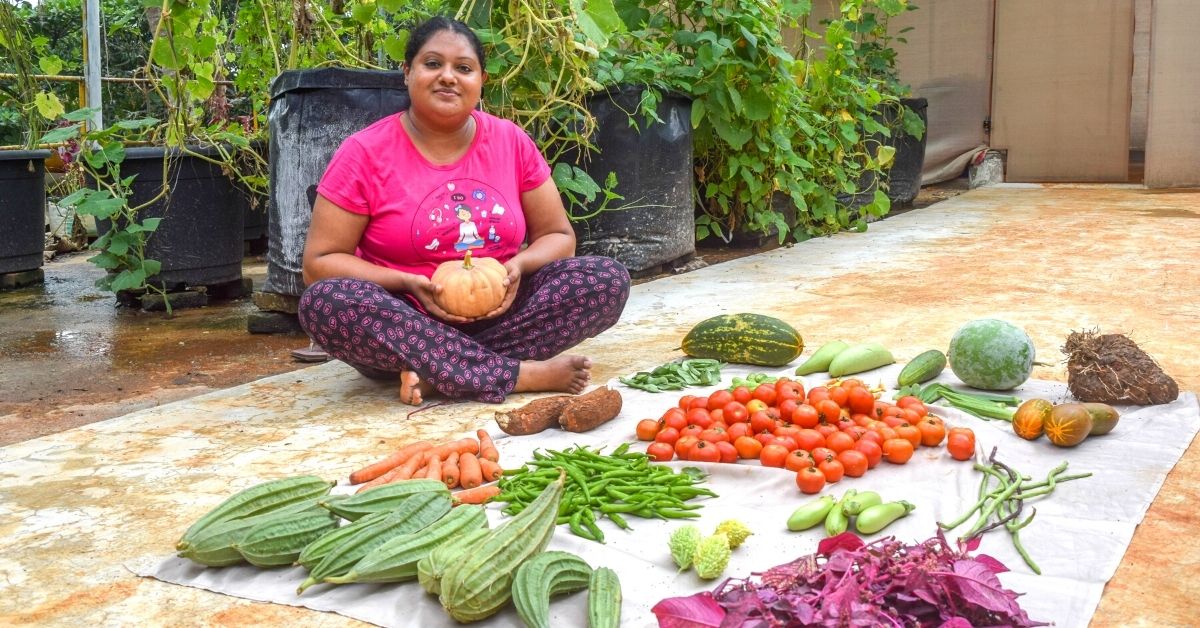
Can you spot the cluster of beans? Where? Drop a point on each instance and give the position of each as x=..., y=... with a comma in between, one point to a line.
x=615, y=485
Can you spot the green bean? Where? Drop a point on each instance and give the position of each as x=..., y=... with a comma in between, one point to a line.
x=618, y=519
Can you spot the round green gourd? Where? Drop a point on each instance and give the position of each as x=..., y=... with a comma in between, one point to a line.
x=991, y=354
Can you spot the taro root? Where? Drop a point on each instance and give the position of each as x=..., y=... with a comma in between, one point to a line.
x=533, y=417
x=1110, y=368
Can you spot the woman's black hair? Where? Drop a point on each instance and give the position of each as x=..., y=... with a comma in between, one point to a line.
x=434, y=25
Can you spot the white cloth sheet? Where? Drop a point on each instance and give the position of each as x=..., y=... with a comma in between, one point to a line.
x=1078, y=537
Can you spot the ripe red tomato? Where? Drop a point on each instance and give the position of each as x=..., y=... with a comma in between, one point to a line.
x=719, y=398
x=765, y=393
x=909, y=433
x=809, y=440
x=833, y=470
x=773, y=455
x=961, y=443
x=685, y=402
x=704, y=451
x=765, y=437
x=737, y=430
x=699, y=416
x=797, y=460
x=810, y=480
x=786, y=407
x=909, y=400
x=691, y=430
x=933, y=431
x=675, y=418
x=897, y=450
x=839, y=441
x=741, y=394
x=839, y=395
x=828, y=410
x=821, y=454
x=714, y=435
x=660, y=452
x=683, y=446
x=826, y=429
x=667, y=435
x=788, y=389
x=747, y=447
x=852, y=382
x=728, y=452
x=860, y=400
x=647, y=429
x=698, y=402
x=787, y=442
x=805, y=416
x=817, y=394
x=871, y=450
x=762, y=421
x=754, y=405
x=854, y=462
x=735, y=412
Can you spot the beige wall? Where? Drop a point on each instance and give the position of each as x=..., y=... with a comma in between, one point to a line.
x=1173, y=136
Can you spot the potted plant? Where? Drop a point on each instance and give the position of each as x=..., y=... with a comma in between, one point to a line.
x=22, y=171
x=164, y=190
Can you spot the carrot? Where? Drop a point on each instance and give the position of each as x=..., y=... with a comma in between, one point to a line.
x=487, y=448
x=491, y=470
x=433, y=471
x=370, y=472
x=402, y=472
x=477, y=495
x=469, y=473
x=462, y=446
x=450, y=471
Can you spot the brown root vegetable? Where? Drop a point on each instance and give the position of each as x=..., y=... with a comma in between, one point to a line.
x=533, y=417
x=1110, y=368
x=589, y=411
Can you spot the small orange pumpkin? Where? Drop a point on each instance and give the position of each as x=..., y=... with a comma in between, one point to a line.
x=470, y=288
x=1068, y=424
x=1030, y=418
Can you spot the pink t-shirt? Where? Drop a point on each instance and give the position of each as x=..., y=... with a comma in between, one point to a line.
x=423, y=214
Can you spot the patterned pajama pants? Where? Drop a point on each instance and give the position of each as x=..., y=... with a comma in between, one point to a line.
x=380, y=334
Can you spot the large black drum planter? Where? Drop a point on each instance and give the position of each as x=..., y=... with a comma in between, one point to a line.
x=653, y=165
x=311, y=112
x=22, y=212
x=199, y=241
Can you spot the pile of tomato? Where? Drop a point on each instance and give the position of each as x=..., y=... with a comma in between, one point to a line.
x=836, y=430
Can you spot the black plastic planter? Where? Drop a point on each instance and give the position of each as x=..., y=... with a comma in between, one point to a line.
x=311, y=112
x=22, y=209
x=199, y=241
x=904, y=179
x=654, y=173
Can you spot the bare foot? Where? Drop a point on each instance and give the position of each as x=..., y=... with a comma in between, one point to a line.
x=562, y=373
x=412, y=389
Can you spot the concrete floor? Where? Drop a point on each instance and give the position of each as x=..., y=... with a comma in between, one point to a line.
x=78, y=504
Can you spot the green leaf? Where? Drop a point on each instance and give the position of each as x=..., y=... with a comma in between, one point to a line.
x=151, y=224
x=120, y=242
x=736, y=137
x=885, y=156
x=60, y=135
x=48, y=105
x=163, y=55
x=591, y=31
x=128, y=280
x=50, y=64
x=204, y=46
x=101, y=205
x=391, y=6
x=80, y=115
x=364, y=13
x=394, y=46
x=105, y=260
x=697, y=113
x=151, y=267
x=137, y=124
x=757, y=104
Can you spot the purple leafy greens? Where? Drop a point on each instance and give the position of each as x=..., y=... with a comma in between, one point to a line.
x=847, y=583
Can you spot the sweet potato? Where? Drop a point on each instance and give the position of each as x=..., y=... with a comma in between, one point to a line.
x=533, y=417
x=591, y=410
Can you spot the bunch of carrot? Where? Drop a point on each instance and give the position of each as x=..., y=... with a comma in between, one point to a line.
x=466, y=463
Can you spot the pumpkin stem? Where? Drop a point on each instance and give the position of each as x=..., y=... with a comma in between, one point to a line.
x=467, y=260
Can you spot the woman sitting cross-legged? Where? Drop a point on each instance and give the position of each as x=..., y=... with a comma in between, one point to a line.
x=422, y=187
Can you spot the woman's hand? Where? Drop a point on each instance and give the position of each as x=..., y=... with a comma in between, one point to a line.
x=425, y=290
x=512, y=283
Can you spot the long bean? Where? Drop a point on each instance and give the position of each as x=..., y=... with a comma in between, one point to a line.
x=1000, y=506
x=611, y=485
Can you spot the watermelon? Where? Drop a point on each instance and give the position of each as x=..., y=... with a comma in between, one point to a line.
x=744, y=339
x=991, y=354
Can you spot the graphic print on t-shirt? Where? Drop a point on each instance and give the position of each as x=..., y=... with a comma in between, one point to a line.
x=463, y=215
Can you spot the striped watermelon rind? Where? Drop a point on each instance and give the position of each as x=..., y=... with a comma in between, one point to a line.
x=744, y=339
